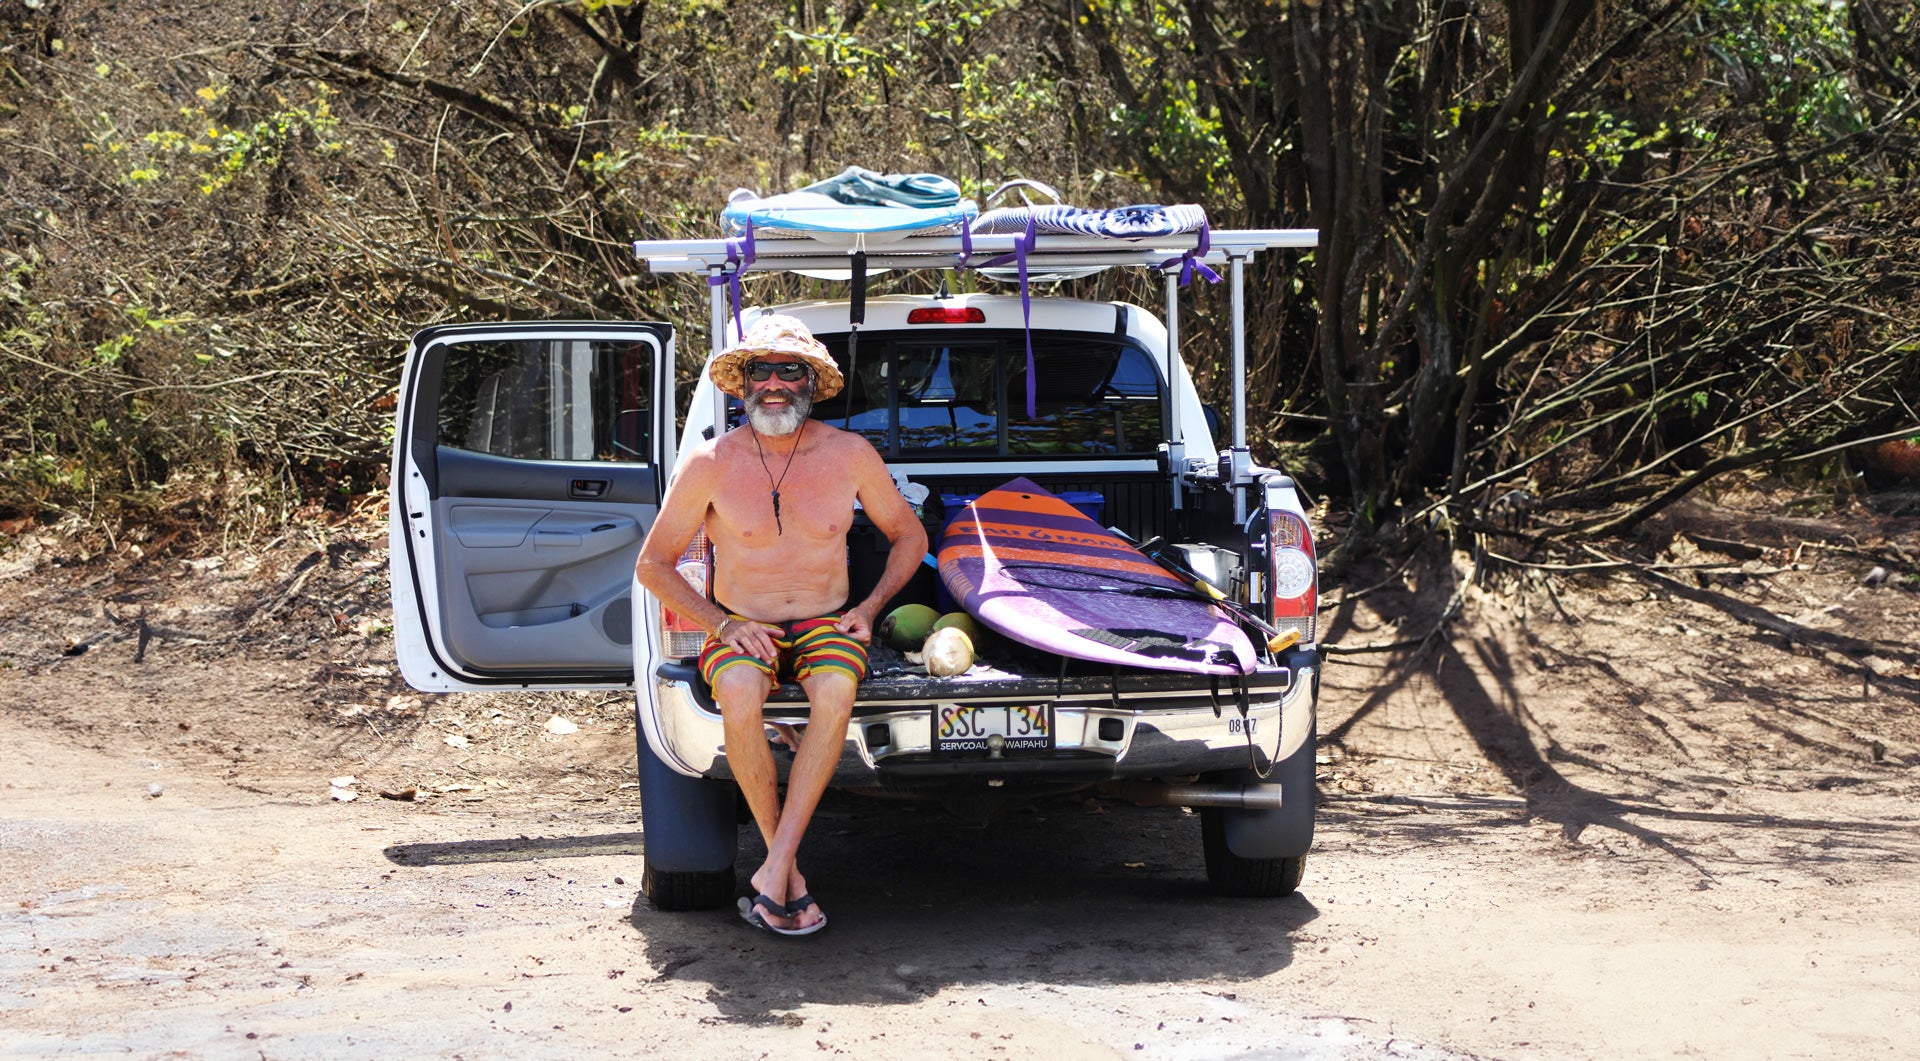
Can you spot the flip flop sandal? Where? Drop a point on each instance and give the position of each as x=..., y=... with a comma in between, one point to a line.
x=750, y=913
x=798, y=906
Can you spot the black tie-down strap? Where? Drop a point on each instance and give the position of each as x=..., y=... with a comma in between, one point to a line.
x=1157, y=645
x=1244, y=703
x=1153, y=643
x=856, y=316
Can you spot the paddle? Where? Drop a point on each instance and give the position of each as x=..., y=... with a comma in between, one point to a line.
x=1277, y=640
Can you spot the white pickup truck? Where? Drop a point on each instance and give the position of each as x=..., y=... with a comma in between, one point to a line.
x=529, y=460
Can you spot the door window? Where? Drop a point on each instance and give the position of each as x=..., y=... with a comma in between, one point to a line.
x=549, y=399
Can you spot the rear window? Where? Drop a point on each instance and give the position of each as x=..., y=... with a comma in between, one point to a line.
x=964, y=394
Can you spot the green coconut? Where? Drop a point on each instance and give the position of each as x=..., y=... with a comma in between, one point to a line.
x=966, y=624
x=906, y=627
x=978, y=636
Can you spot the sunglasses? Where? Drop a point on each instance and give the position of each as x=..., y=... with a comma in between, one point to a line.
x=788, y=371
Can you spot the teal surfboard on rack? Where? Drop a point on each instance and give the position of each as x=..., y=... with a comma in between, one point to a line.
x=804, y=214
x=857, y=207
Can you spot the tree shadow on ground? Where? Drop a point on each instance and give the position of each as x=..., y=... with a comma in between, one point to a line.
x=1661, y=748
x=1491, y=709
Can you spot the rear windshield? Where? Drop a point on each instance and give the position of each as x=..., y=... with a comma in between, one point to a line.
x=964, y=394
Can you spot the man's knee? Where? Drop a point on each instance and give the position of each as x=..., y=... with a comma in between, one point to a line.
x=830, y=696
x=741, y=690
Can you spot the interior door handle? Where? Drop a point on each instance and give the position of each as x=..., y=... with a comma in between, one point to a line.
x=588, y=489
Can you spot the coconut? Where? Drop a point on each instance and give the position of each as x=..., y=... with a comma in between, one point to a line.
x=961, y=621
x=948, y=652
x=982, y=637
x=906, y=627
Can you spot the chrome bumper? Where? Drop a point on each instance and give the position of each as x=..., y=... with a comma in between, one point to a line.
x=1097, y=736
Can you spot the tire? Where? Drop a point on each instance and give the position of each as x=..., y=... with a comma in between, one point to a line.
x=1261, y=854
x=689, y=826
x=1244, y=878
x=694, y=890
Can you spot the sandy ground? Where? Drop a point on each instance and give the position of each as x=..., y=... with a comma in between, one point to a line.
x=1609, y=816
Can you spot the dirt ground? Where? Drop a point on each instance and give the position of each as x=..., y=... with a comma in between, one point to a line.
x=1658, y=810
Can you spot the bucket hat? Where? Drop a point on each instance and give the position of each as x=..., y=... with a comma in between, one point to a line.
x=775, y=334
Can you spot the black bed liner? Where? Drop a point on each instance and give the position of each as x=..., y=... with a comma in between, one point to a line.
x=1139, y=503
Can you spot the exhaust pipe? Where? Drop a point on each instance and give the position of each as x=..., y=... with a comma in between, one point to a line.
x=1156, y=794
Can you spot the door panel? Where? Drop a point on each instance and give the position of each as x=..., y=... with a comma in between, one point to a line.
x=526, y=474
x=548, y=588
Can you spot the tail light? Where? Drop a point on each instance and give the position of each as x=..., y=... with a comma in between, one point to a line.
x=680, y=637
x=1295, y=589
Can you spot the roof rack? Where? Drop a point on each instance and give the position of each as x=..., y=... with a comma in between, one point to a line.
x=890, y=251
x=724, y=261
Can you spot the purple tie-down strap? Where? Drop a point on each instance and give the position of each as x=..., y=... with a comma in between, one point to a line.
x=739, y=256
x=1023, y=246
x=1190, y=261
x=966, y=248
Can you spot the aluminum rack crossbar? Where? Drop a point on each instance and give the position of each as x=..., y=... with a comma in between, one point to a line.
x=1049, y=251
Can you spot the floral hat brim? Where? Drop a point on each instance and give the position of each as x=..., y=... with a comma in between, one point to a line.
x=775, y=334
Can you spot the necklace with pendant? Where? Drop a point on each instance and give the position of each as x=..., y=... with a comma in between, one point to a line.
x=783, y=472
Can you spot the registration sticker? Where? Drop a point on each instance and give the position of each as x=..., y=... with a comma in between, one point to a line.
x=970, y=728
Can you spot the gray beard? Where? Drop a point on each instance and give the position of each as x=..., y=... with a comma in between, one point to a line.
x=784, y=422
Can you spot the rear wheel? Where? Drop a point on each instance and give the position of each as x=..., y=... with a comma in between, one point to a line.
x=1262, y=853
x=690, y=828
x=690, y=890
x=1245, y=878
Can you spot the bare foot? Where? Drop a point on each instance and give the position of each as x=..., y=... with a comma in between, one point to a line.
x=807, y=914
x=777, y=889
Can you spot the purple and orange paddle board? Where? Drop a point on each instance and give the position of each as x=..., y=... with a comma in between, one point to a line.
x=1037, y=571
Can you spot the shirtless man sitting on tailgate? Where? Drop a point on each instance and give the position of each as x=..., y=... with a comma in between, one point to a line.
x=776, y=497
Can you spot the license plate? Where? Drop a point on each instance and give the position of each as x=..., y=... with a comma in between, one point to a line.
x=967, y=729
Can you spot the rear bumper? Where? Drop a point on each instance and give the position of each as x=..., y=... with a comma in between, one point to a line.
x=1104, y=728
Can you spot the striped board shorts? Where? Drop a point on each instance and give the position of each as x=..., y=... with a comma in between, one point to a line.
x=807, y=647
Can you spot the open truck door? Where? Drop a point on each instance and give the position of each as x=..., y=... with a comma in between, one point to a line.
x=528, y=462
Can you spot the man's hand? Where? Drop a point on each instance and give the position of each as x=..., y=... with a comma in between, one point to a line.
x=857, y=623
x=754, y=639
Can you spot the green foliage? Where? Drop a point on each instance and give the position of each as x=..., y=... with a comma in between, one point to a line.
x=1789, y=58
x=108, y=352
x=301, y=192
x=1172, y=121
x=1596, y=142
x=217, y=153
x=994, y=107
